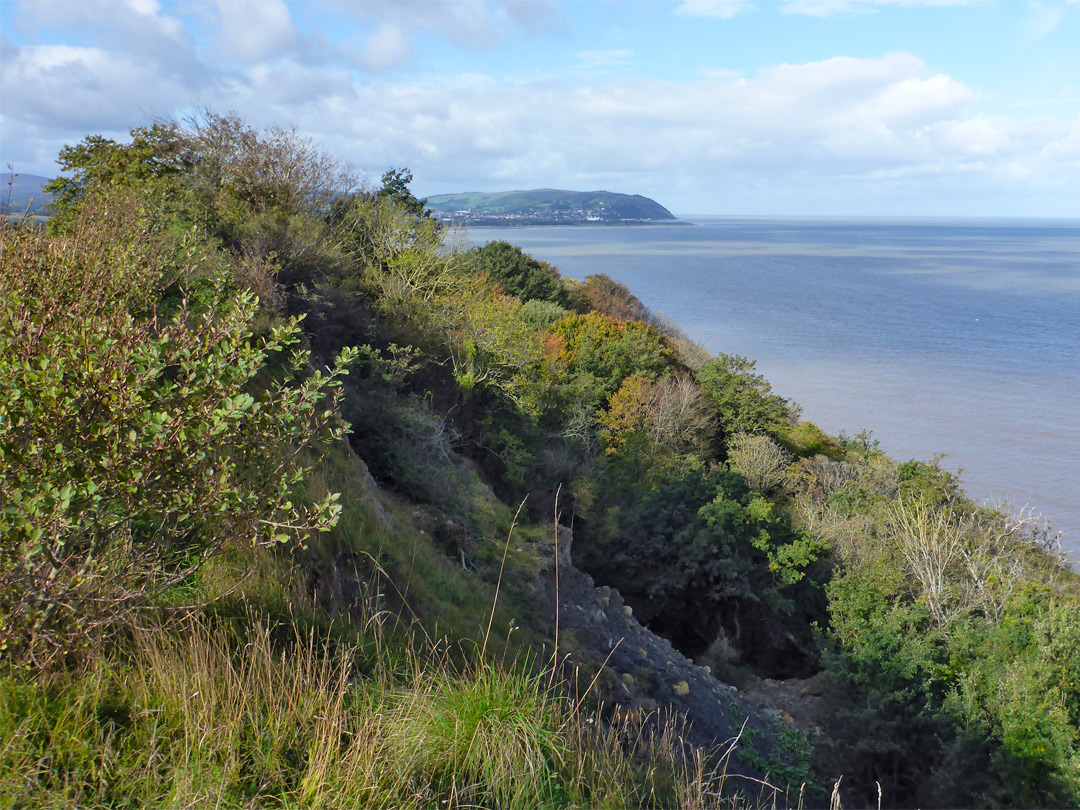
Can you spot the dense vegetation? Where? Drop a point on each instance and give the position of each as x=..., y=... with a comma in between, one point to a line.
x=264, y=434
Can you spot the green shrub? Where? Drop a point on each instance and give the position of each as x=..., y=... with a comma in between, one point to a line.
x=133, y=449
x=541, y=314
x=744, y=401
x=700, y=555
x=518, y=273
x=599, y=352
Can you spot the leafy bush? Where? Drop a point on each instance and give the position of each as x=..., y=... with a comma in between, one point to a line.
x=954, y=680
x=601, y=293
x=700, y=555
x=518, y=273
x=744, y=401
x=266, y=195
x=599, y=352
x=541, y=314
x=132, y=449
x=659, y=422
x=761, y=461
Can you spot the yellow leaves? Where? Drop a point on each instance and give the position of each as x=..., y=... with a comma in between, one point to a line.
x=627, y=412
x=669, y=416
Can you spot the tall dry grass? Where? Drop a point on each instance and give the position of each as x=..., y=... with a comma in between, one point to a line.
x=246, y=714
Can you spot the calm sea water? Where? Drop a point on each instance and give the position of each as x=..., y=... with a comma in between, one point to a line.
x=939, y=336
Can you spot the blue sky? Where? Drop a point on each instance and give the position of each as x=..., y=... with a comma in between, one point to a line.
x=743, y=107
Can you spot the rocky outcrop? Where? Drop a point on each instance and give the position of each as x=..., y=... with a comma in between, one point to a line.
x=630, y=667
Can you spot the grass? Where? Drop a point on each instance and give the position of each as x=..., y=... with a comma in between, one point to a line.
x=260, y=698
x=238, y=706
x=225, y=715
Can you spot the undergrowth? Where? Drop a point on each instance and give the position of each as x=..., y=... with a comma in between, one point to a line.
x=246, y=713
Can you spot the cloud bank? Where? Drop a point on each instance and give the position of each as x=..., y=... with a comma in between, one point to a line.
x=836, y=130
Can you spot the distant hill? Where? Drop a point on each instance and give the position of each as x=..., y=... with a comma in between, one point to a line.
x=24, y=191
x=547, y=206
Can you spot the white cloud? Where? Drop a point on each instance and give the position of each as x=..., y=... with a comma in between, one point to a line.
x=723, y=74
x=786, y=132
x=914, y=100
x=250, y=33
x=128, y=62
x=722, y=9
x=473, y=24
x=57, y=94
x=534, y=16
x=815, y=116
x=385, y=49
x=1042, y=19
x=136, y=27
x=74, y=14
x=824, y=8
x=1067, y=147
x=278, y=93
x=885, y=120
x=726, y=9
x=975, y=136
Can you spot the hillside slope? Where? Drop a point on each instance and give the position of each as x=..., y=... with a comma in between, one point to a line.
x=21, y=192
x=303, y=504
x=548, y=206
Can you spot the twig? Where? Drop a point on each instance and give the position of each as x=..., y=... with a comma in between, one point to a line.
x=498, y=583
x=555, y=652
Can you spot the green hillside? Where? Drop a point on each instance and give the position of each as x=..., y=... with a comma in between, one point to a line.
x=22, y=193
x=305, y=505
x=549, y=206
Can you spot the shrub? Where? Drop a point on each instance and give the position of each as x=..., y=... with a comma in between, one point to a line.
x=132, y=449
x=744, y=401
x=541, y=314
x=700, y=554
x=761, y=461
x=599, y=352
x=601, y=293
x=518, y=273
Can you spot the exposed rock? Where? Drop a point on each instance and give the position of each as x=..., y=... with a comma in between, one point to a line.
x=600, y=638
x=370, y=497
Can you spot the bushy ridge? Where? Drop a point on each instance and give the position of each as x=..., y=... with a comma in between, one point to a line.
x=280, y=462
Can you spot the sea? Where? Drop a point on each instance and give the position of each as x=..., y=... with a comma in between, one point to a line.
x=952, y=338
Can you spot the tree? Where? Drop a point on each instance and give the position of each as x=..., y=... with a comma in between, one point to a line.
x=395, y=187
x=518, y=273
x=601, y=293
x=698, y=554
x=744, y=401
x=599, y=352
x=267, y=195
x=661, y=422
x=761, y=461
x=155, y=152
x=491, y=346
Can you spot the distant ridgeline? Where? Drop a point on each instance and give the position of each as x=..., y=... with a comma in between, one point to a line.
x=22, y=194
x=547, y=206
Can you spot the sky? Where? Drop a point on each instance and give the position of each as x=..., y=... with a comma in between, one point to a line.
x=911, y=108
